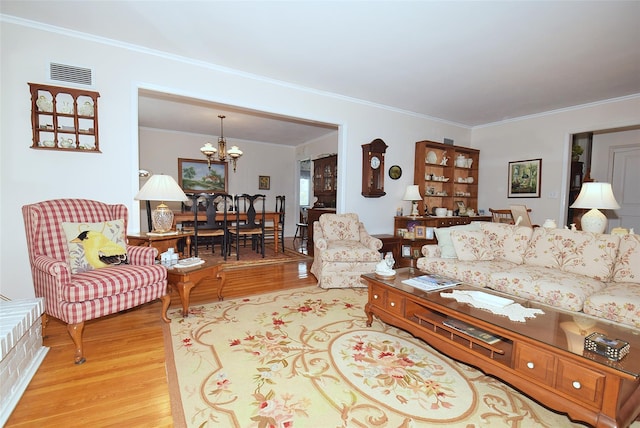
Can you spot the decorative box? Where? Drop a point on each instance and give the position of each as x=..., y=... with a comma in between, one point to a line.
x=613, y=349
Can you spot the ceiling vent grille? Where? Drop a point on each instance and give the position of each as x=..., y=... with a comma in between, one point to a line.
x=71, y=73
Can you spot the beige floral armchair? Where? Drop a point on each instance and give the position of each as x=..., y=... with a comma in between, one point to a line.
x=343, y=250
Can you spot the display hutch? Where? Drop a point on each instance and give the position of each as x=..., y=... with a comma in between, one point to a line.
x=325, y=180
x=447, y=175
x=64, y=118
x=448, y=178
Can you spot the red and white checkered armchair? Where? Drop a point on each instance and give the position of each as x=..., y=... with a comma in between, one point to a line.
x=95, y=292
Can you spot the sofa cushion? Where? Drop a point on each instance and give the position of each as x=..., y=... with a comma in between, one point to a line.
x=475, y=273
x=340, y=226
x=508, y=242
x=584, y=253
x=95, y=245
x=627, y=266
x=443, y=234
x=471, y=245
x=348, y=251
x=551, y=286
x=618, y=301
x=97, y=284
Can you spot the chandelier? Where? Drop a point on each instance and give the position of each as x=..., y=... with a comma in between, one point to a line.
x=209, y=151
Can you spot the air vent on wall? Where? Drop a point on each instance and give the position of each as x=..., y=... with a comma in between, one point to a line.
x=71, y=73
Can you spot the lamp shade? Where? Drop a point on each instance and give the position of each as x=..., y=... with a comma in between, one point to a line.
x=161, y=187
x=412, y=193
x=596, y=195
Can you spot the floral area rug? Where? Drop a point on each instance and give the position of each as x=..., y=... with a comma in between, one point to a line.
x=305, y=358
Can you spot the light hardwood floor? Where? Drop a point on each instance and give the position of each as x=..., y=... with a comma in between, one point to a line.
x=123, y=383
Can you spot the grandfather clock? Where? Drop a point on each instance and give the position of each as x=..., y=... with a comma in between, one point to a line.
x=373, y=168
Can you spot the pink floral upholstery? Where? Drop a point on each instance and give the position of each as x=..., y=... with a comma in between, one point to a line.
x=343, y=250
x=76, y=298
x=596, y=274
x=584, y=253
x=507, y=242
x=553, y=287
x=471, y=246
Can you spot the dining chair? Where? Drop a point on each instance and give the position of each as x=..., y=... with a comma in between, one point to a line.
x=213, y=229
x=251, y=227
x=302, y=227
x=269, y=229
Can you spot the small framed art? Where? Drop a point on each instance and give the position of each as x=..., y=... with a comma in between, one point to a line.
x=420, y=232
x=524, y=178
x=264, y=182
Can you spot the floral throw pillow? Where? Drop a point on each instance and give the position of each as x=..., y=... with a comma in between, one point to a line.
x=507, y=241
x=627, y=267
x=443, y=234
x=471, y=245
x=95, y=245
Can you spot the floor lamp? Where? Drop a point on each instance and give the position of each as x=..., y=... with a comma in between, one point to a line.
x=594, y=196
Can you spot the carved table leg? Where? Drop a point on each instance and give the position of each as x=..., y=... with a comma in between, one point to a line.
x=166, y=301
x=75, y=331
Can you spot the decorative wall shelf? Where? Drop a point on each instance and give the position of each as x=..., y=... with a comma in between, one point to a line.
x=64, y=118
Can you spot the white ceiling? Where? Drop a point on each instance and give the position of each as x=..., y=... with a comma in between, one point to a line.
x=469, y=63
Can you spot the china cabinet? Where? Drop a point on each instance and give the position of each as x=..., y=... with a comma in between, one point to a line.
x=64, y=118
x=447, y=175
x=325, y=181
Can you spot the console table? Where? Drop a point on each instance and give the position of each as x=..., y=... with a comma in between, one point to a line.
x=540, y=357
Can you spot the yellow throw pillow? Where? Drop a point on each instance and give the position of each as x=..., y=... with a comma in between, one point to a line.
x=95, y=245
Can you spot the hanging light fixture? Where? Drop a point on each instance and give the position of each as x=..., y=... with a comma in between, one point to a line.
x=209, y=150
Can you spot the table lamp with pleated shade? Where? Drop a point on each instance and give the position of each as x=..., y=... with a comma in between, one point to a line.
x=594, y=197
x=161, y=188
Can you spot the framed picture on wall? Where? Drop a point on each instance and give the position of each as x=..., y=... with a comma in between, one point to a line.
x=264, y=182
x=194, y=176
x=524, y=178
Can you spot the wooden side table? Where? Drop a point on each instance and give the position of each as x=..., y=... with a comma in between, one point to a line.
x=185, y=279
x=161, y=242
x=391, y=243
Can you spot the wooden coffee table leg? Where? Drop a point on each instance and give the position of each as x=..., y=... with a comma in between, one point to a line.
x=166, y=301
x=184, y=289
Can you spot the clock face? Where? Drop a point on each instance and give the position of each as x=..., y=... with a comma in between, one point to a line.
x=375, y=162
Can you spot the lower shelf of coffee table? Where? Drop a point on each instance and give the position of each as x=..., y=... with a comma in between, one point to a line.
x=587, y=391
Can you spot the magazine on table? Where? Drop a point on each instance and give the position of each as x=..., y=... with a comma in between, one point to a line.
x=431, y=282
x=470, y=330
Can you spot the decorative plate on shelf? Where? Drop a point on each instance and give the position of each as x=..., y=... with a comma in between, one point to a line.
x=432, y=157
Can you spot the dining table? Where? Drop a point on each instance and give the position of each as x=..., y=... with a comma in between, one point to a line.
x=273, y=216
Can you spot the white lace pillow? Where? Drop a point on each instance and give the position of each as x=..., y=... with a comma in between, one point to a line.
x=471, y=245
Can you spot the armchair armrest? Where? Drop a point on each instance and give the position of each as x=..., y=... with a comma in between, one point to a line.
x=140, y=256
x=368, y=240
x=53, y=267
x=319, y=240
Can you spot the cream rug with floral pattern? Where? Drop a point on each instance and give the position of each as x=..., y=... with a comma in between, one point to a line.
x=305, y=358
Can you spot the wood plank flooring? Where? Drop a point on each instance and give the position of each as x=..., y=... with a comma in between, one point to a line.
x=123, y=382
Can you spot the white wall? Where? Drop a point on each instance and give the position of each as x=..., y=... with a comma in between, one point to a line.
x=160, y=150
x=546, y=136
x=30, y=175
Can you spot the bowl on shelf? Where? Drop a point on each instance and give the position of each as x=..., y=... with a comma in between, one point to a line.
x=441, y=212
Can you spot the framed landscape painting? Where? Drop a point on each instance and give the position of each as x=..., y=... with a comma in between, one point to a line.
x=524, y=178
x=194, y=176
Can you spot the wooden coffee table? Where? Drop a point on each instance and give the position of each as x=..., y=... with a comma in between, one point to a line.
x=543, y=357
x=185, y=279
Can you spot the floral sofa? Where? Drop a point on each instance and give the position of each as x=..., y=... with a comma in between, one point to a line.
x=597, y=274
x=343, y=250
